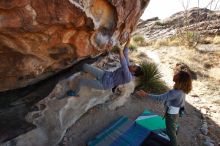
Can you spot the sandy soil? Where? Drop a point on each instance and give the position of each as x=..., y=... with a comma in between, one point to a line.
x=203, y=103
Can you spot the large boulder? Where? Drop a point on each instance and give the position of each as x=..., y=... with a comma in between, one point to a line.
x=41, y=37
x=57, y=112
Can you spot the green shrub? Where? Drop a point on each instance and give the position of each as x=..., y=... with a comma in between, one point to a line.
x=139, y=40
x=132, y=47
x=189, y=39
x=159, y=23
x=151, y=80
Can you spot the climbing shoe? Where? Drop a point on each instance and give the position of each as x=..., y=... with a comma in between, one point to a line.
x=71, y=93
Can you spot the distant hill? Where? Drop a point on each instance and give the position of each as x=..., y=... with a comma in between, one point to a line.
x=203, y=20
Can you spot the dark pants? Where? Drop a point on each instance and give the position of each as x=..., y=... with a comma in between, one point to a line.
x=171, y=124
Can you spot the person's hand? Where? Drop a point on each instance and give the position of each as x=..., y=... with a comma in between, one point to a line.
x=141, y=93
x=109, y=45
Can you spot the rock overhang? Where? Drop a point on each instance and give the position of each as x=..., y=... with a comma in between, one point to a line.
x=41, y=37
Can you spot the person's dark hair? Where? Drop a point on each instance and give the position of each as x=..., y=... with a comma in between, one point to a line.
x=138, y=72
x=183, y=81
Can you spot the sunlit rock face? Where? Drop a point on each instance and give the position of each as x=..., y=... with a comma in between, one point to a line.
x=41, y=37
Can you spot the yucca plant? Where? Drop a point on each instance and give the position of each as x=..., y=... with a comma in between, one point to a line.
x=151, y=79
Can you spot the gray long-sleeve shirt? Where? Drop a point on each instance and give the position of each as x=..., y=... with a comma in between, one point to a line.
x=120, y=76
x=175, y=98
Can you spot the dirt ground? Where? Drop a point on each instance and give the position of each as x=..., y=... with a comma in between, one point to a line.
x=203, y=103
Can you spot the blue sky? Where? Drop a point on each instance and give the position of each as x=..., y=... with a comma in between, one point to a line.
x=165, y=8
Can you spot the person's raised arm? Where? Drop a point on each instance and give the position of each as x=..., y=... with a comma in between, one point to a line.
x=124, y=64
x=126, y=48
x=122, y=57
x=170, y=95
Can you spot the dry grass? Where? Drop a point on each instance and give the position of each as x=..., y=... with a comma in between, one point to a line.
x=206, y=40
x=206, y=65
x=215, y=73
x=160, y=42
x=216, y=40
x=164, y=42
x=188, y=41
x=210, y=40
x=139, y=41
x=217, y=101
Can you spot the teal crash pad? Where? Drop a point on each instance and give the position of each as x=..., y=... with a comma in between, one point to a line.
x=151, y=121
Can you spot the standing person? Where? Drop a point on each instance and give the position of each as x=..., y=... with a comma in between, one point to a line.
x=174, y=102
x=107, y=79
